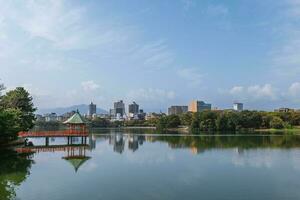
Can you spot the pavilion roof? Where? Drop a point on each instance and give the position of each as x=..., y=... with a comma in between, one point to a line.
x=76, y=161
x=75, y=119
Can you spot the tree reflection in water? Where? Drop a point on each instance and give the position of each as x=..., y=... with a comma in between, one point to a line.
x=14, y=169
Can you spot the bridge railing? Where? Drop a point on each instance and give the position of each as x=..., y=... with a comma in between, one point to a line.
x=63, y=133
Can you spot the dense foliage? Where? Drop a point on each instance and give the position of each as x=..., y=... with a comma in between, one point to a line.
x=231, y=121
x=16, y=113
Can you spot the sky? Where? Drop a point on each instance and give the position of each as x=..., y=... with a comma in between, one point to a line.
x=157, y=53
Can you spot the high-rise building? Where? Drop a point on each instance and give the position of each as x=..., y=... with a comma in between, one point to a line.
x=176, y=110
x=238, y=106
x=119, y=108
x=133, y=108
x=92, y=109
x=198, y=106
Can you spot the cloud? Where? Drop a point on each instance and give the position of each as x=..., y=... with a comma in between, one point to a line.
x=151, y=95
x=294, y=89
x=191, y=75
x=65, y=26
x=89, y=85
x=52, y=37
x=264, y=91
x=152, y=55
x=236, y=90
x=42, y=33
x=255, y=92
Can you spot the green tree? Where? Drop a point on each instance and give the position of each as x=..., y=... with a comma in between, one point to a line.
x=195, y=122
x=20, y=99
x=100, y=122
x=9, y=123
x=295, y=119
x=186, y=118
x=277, y=123
x=222, y=122
x=161, y=123
x=173, y=121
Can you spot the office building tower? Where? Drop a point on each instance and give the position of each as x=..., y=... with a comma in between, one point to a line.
x=199, y=106
x=177, y=110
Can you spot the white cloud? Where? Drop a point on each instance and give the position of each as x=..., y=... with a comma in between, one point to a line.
x=65, y=26
x=57, y=36
x=151, y=95
x=254, y=92
x=264, y=91
x=41, y=33
x=236, y=90
x=294, y=89
x=153, y=55
x=191, y=75
x=89, y=85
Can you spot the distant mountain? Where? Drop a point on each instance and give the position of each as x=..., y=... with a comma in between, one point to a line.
x=83, y=109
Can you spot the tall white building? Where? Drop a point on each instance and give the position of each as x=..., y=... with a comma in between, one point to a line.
x=238, y=106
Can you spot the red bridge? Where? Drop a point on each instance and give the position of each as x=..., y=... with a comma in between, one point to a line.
x=62, y=133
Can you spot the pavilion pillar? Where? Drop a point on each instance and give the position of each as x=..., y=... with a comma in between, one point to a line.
x=47, y=141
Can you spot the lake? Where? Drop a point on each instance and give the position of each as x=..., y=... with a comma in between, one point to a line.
x=129, y=165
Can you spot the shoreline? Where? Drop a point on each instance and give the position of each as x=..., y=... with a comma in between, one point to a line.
x=126, y=127
x=278, y=130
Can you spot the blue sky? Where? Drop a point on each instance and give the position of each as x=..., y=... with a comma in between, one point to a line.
x=158, y=53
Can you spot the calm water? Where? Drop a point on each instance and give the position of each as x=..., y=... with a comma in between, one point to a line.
x=120, y=165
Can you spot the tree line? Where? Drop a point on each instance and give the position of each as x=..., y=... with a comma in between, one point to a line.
x=230, y=120
x=16, y=113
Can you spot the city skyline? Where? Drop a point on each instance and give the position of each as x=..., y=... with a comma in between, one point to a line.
x=157, y=53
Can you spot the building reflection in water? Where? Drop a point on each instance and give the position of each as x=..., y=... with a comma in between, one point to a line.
x=133, y=143
x=118, y=141
x=92, y=141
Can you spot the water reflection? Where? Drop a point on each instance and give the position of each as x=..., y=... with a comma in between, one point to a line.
x=14, y=169
x=97, y=161
x=196, y=144
x=133, y=142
